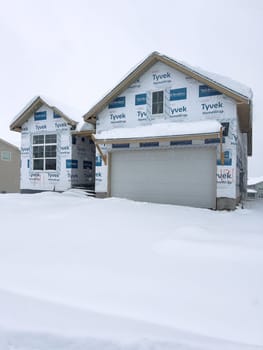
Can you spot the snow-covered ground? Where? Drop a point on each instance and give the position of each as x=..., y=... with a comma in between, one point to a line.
x=84, y=273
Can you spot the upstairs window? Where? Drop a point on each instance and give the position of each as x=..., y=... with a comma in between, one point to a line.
x=45, y=152
x=157, y=102
x=225, y=128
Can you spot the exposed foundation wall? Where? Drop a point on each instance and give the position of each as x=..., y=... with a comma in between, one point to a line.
x=224, y=203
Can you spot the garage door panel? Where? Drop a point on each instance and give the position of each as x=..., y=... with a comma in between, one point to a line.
x=182, y=176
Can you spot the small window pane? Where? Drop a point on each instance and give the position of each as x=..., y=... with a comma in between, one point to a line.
x=38, y=151
x=157, y=108
x=74, y=140
x=225, y=128
x=51, y=151
x=154, y=97
x=6, y=155
x=38, y=164
x=50, y=164
x=38, y=139
x=51, y=138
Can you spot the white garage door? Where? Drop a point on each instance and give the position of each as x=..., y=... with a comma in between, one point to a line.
x=182, y=176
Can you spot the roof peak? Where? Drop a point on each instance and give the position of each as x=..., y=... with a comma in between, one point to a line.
x=68, y=113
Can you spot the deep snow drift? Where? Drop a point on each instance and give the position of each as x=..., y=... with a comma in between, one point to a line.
x=85, y=273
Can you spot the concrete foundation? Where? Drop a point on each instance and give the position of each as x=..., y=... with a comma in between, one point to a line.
x=225, y=203
x=28, y=191
x=101, y=194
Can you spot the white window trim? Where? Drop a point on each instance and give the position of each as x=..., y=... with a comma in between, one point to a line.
x=151, y=103
x=44, y=158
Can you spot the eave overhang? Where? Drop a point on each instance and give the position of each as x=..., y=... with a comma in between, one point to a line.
x=186, y=137
x=37, y=102
x=244, y=103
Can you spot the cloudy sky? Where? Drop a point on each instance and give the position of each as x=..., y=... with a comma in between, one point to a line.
x=76, y=50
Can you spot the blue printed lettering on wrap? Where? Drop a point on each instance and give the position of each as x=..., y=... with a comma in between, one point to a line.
x=211, y=108
x=118, y=118
x=161, y=78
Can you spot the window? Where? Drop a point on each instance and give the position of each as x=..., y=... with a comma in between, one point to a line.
x=6, y=155
x=74, y=140
x=44, y=152
x=225, y=128
x=157, y=102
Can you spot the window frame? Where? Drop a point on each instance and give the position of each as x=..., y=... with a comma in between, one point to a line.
x=44, y=150
x=4, y=156
x=155, y=105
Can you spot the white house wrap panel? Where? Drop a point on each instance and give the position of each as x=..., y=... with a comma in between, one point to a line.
x=51, y=157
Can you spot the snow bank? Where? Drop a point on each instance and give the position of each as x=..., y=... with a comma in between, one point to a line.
x=116, y=274
x=43, y=325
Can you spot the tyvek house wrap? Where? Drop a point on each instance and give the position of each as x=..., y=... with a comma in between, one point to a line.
x=74, y=160
x=186, y=101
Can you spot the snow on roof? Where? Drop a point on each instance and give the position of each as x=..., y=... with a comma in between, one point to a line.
x=164, y=129
x=86, y=127
x=254, y=180
x=24, y=109
x=227, y=82
x=250, y=190
x=69, y=111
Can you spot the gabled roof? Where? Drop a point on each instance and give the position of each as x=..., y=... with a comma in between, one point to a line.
x=9, y=145
x=34, y=105
x=240, y=93
x=254, y=180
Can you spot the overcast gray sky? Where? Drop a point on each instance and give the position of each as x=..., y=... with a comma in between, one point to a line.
x=76, y=50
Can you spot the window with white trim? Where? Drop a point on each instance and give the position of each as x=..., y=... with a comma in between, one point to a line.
x=157, y=102
x=45, y=152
